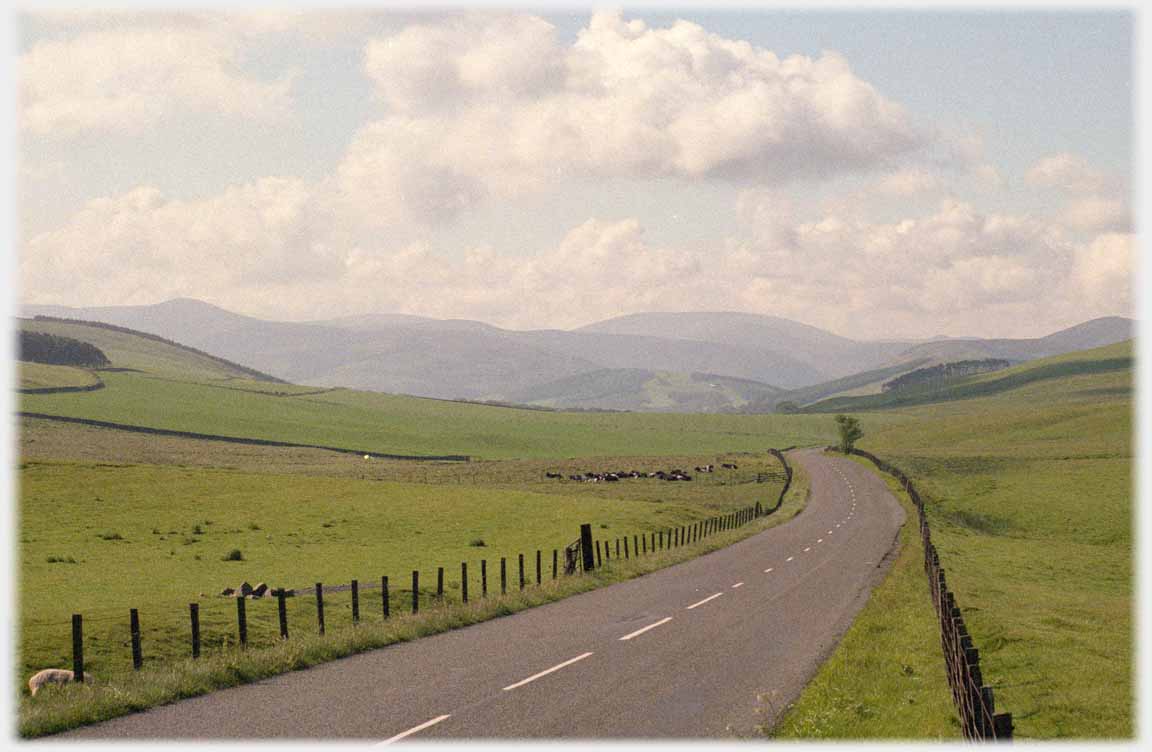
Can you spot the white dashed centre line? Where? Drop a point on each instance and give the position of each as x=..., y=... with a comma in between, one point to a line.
x=547, y=671
x=789, y=558
x=413, y=730
x=642, y=630
x=701, y=603
x=807, y=549
x=819, y=540
x=769, y=569
x=738, y=584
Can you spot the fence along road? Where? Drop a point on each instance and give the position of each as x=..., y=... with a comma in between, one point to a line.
x=684, y=652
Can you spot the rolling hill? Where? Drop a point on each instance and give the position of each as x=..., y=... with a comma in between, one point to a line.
x=1062, y=370
x=461, y=359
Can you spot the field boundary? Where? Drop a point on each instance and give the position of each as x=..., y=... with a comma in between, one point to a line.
x=63, y=389
x=974, y=700
x=240, y=439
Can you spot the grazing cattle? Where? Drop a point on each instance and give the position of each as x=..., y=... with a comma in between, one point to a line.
x=552, y=475
x=53, y=676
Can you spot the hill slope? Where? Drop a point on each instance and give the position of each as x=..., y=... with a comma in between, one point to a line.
x=1116, y=358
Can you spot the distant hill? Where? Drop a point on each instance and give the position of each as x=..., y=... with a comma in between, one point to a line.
x=461, y=359
x=640, y=389
x=1114, y=358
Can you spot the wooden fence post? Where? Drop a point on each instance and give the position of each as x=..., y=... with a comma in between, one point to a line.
x=415, y=591
x=599, y=561
x=242, y=620
x=194, y=612
x=282, y=609
x=618, y=549
x=555, y=559
x=355, y=601
x=586, y=547
x=384, y=595
x=440, y=583
x=134, y=631
x=78, y=647
x=644, y=544
x=539, y=578
x=320, y=606
x=464, y=581
x=503, y=576
x=626, y=547
x=483, y=578
x=661, y=540
x=521, y=571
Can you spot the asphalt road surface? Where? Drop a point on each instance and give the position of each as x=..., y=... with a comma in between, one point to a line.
x=711, y=648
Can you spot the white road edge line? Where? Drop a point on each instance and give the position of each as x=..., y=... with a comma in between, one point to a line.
x=701, y=603
x=547, y=671
x=738, y=584
x=412, y=730
x=642, y=630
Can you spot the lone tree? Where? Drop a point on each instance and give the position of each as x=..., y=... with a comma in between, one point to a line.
x=850, y=432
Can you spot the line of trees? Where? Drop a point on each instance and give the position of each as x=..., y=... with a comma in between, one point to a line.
x=934, y=377
x=41, y=347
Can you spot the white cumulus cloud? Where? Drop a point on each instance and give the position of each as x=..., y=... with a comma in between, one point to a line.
x=127, y=79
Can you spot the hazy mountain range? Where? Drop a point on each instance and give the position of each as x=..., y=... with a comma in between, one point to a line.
x=649, y=361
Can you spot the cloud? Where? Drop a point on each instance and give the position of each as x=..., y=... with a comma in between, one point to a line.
x=1104, y=272
x=1097, y=201
x=1067, y=172
x=276, y=248
x=491, y=105
x=128, y=79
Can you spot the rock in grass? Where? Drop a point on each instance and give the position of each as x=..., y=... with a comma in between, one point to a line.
x=227, y=592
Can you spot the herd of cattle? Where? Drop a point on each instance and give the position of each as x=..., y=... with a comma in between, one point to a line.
x=590, y=477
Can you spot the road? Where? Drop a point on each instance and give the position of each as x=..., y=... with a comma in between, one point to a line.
x=711, y=648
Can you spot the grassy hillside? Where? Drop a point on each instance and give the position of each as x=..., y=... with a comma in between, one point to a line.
x=138, y=351
x=640, y=389
x=44, y=376
x=406, y=425
x=1029, y=494
x=1116, y=358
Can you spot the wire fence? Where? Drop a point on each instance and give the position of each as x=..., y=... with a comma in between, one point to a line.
x=261, y=618
x=974, y=700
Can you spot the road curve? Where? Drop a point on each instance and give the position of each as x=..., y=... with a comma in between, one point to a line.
x=713, y=647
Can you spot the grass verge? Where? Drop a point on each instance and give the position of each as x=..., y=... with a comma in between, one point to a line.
x=60, y=708
x=886, y=679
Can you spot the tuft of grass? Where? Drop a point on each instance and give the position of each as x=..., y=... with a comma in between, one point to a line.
x=477, y=543
x=60, y=560
x=110, y=536
x=234, y=555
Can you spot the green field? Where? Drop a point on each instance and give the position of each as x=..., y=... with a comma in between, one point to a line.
x=104, y=537
x=45, y=376
x=1029, y=495
x=413, y=426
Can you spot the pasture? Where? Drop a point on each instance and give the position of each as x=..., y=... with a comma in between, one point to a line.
x=414, y=426
x=1029, y=495
x=100, y=535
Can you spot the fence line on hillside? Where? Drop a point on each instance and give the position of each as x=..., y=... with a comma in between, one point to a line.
x=973, y=699
x=589, y=554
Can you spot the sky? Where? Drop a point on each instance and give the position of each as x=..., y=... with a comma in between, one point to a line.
x=883, y=173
